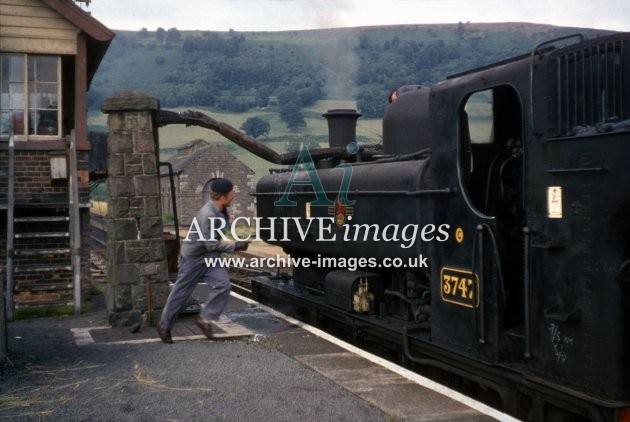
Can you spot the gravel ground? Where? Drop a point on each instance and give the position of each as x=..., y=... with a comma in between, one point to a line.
x=50, y=378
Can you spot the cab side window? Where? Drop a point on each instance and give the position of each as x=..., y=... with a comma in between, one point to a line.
x=490, y=132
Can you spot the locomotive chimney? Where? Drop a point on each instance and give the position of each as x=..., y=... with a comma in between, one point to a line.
x=342, y=126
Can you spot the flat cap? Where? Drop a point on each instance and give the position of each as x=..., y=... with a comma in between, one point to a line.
x=221, y=186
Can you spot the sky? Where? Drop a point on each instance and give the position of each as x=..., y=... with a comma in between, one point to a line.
x=281, y=15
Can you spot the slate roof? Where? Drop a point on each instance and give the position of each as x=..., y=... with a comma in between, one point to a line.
x=187, y=154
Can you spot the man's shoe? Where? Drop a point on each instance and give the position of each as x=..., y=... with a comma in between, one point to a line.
x=205, y=327
x=165, y=334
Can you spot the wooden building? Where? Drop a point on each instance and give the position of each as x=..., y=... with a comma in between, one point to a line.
x=194, y=166
x=49, y=52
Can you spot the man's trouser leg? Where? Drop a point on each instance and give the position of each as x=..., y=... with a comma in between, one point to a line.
x=218, y=297
x=188, y=275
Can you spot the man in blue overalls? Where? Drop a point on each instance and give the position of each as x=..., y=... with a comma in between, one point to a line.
x=193, y=267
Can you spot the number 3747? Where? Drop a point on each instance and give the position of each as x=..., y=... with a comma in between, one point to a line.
x=459, y=287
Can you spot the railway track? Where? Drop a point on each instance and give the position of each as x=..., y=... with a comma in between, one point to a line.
x=241, y=280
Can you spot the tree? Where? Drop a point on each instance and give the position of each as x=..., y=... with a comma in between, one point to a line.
x=290, y=113
x=262, y=96
x=255, y=127
x=364, y=42
x=372, y=103
x=308, y=96
x=160, y=33
x=286, y=95
x=173, y=35
x=461, y=29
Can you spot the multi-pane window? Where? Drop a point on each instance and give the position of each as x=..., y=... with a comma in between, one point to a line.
x=30, y=96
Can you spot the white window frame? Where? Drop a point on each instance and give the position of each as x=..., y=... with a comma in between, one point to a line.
x=27, y=109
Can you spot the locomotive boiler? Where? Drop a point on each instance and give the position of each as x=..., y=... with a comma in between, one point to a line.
x=487, y=235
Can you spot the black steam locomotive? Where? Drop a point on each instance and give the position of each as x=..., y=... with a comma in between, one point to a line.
x=488, y=236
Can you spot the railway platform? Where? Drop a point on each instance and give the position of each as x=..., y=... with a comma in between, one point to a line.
x=268, y=367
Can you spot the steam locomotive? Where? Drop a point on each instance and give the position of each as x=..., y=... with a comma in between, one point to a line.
x=513, y=180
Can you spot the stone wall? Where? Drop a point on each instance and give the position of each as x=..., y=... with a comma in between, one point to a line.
x=137, y=275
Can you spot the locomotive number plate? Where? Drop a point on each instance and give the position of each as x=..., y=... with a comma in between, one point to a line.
x=460, y=287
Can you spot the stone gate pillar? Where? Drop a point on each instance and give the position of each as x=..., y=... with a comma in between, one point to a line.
x=137, y=274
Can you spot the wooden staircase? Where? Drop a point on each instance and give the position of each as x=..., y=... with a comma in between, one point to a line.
x=43, y=246
x=42, y=263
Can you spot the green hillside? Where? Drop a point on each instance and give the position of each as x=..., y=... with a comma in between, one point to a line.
x=290, y=78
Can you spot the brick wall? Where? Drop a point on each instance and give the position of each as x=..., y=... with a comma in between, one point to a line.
x=210, y=162
x=33, y=182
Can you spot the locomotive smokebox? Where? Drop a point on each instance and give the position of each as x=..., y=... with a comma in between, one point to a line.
x=342, y=126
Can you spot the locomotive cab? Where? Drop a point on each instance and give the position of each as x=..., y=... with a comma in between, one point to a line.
x=491, y=177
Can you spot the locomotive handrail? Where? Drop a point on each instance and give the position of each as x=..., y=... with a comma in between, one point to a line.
x=478, y=239
x=370, y=192
x=565, y=37
x=578, y=170
x=423, y=153
x=480, y=309
x=527, y=352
